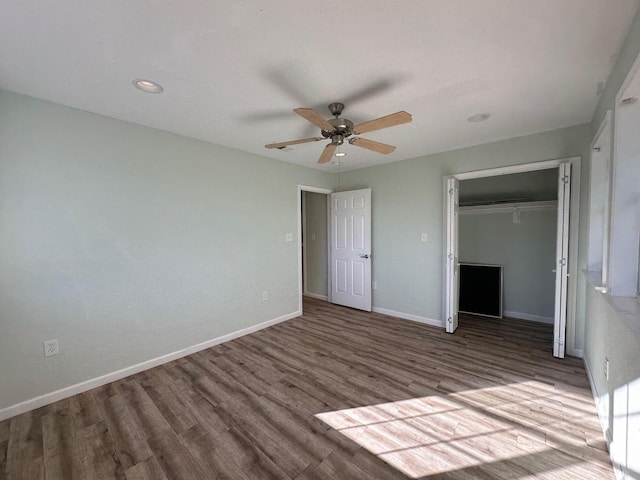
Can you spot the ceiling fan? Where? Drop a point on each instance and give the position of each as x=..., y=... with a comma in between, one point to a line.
x=338, y=129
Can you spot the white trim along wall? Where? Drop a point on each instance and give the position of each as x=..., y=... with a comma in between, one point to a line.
x=71, y=390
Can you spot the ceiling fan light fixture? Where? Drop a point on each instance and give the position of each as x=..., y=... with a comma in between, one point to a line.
x=340, y=129
x=479, y=117
x=337, y=139
x=341, y=154
x=147, y=86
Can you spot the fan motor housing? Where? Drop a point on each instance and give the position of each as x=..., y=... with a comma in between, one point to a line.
x=336, y=108
x=342, y=126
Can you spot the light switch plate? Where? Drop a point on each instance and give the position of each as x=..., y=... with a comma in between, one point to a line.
x=423, y=237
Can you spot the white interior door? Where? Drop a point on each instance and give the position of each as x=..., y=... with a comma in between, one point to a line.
x=451, y=281
x=351, y=249
x=562, y=260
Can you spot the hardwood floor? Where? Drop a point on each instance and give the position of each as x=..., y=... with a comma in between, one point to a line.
x=334, y=394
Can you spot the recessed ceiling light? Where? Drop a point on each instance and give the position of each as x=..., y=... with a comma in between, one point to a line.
x=629, y=101
x=148, y=86
x=479, y=117
x=341, y=154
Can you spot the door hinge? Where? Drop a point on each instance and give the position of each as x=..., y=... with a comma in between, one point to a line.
x=562, y=261
x=565, y=179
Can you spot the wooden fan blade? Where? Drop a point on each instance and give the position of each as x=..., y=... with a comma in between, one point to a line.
x=327, y=153
x=383, y=148
x=392, y=120
x=294, y=142
x=310, y=115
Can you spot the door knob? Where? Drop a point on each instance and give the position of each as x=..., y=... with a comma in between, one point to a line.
x=364, y=256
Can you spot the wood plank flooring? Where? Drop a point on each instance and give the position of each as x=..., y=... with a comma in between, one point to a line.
x=334, y=394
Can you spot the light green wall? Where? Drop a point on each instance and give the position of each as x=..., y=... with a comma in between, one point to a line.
x=127, y=243
x=527, y=252
x=613, y=333
x=315, y=239
x=613, y=325
x=407, y=200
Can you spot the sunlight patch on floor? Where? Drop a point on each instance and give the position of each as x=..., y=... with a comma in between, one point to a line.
x=437, y=434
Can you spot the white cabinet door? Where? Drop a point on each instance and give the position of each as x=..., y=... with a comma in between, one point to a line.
x=452, y=285
x=351, y=249
x=562, y=260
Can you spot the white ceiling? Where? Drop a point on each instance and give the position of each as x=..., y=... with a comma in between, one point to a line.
x=234, y=70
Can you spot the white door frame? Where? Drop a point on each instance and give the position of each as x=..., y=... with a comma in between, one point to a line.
x=573, y=231
x=325, y=191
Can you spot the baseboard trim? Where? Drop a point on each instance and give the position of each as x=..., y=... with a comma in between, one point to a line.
x=604, y=424
x=602, y=417
x=576, y=352
x=71, y=390
x=528, y=316
x=316, y=296
x=409, y=316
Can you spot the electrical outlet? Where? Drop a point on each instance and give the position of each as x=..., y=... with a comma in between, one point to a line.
x=288, y=237
x=374, y=285
x=265, y=295
x=606, y=369
x=51, y=347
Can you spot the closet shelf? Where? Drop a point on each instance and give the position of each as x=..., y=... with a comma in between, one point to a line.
x=507, y=207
